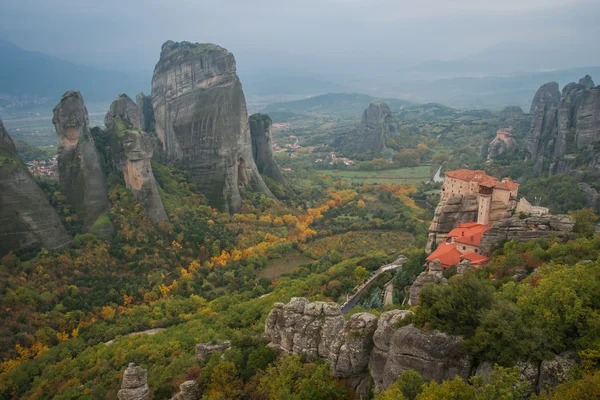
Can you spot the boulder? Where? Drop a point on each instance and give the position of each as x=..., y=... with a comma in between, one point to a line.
x=132, y=155
x=555, y=371
x=135, y=384
x=81, y=177
x=434, y=355
x=26, y=216
x=202, y=121
x=262, y=147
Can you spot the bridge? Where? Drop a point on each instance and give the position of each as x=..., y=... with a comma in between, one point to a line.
x=396, y=265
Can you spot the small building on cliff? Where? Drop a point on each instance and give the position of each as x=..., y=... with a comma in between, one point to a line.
x=462, y=243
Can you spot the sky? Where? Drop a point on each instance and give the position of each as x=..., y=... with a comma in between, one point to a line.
x=353, y=38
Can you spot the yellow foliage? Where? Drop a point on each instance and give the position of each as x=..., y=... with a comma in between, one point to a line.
x=194, y=266
x=107, y=312
x=175, y=245
x=360, y=204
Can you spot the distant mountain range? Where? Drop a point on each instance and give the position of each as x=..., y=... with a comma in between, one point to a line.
x=333, y=104
x=35, y=80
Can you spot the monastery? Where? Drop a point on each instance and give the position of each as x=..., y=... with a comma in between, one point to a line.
x=471, y=202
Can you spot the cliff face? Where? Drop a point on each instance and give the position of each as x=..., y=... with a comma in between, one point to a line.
x=365, y=346
x=132, y=154
x=202, y=120
x=368, y=140
x=262, y=150
x=80, y=175
x=529, y=228
x=565, y=127
x=26, y=216
x=448, y=214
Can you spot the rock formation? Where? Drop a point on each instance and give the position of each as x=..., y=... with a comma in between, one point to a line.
x=202, y=120
x=80, y=174
x=188, y=390
x=503, y=142
x=203, y=350
x=529, y=228
x=26, y=216
x=364, y=346
x=132, y=154
x=434, y=274
x=262, y=151
x=448, y=214
x=368, y=140
x=135, y=384
x=511, y=113
x=145, y=113
x=565, y=128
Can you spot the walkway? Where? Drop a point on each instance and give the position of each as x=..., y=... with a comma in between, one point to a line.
x=351, y=302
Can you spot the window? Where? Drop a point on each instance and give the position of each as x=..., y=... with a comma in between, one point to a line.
x=464, y=247
x=476, y=250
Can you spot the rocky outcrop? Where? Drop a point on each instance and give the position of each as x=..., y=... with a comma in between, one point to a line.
x=434, y=355
x=135, y=384
x=364, y=347
x=565, y=127
x=368, y=140
x=511, y=113
x=262, y=149
x=543, y=125
x=503, y=142
x=530, y=228
x=81, y=177
x=26, y=216
x=203, y=350
x=433, y=274
x=132, y=153
x=188, y=390
x=306, y=328
x=448, y=214
x=202, y=121
x=387, y=325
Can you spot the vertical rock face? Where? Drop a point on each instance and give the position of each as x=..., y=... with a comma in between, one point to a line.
x=262, y=149
x=434, y=275
x=565, y=128
x=132, y=154
x=145, y=113
x=202, y=120
x=26, y=217
x=368, y=140
x=543, y=125
x=135, y=384
x=188, y=390
x=448, y=214
x=80, y=175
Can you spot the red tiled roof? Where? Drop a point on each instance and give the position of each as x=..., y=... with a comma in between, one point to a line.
x=447, y=254
x=482, y=178
x=475, y=258
x=469, y=233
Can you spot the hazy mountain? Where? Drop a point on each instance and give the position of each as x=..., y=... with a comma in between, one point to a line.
x=341, y=104
x=30, y=79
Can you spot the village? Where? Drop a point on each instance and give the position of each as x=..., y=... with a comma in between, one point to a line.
x=44, y=168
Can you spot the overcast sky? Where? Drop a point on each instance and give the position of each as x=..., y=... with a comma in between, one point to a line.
x=362, y=36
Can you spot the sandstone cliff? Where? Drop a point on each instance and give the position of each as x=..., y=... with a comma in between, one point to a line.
x=565, y=128
x=132, y=154
x=529, y=228
x=202, y=120
x=80, y=175
x=26, y=216
x=501, y=144
x=262, y=151
x=368, y=140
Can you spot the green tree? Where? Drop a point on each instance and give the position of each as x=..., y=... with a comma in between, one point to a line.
x=360, y=274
